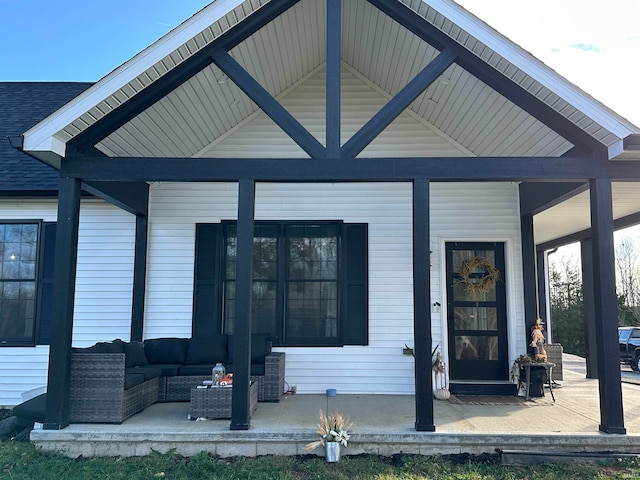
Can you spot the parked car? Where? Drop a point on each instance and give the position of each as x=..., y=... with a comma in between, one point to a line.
x=629, y=343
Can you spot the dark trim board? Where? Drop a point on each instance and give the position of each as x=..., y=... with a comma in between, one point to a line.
x=140, y=169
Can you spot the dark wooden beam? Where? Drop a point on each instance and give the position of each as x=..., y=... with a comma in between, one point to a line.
x=64, y=287
x=489, y=75
x=358, y=169
x=240, y=404
x=421, y=307
x=333, y=123
x=132, y=197
x=529, y=271
x=618, y=224
x=398, y=104
x=175, y=77
x=588, y=310
x=139, y=278
x=536, y=197
x=542, y=267
x=606, y=307
x=268, y=104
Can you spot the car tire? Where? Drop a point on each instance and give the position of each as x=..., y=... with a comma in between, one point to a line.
x=634, y=363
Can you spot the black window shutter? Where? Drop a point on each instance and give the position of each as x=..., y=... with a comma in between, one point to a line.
x=206, y=289
x=44, y=308
x=355, y=305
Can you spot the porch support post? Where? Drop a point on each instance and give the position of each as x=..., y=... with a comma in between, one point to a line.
x=586, y=253
x=529, y=270
x=139, y=278
x=605, y=307
x=542, y=267
x=240, y=404
x=421, y=302
x=64, y=287
x=333, y=78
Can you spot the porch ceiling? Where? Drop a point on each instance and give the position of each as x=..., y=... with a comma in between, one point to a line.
x=282, y=54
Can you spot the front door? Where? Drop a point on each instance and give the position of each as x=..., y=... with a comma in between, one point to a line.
x=476, y=311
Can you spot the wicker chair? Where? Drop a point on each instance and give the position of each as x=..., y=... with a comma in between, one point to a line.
x=97, y=393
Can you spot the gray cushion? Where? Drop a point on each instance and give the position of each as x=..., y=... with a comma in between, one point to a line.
x=132, y=379
x=148, y=371
x=260, y=347
x=207, y=350
x=134, y=354
x=187, y=370
x=166, y=350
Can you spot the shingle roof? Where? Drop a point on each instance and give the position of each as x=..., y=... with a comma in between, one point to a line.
x=22, y=105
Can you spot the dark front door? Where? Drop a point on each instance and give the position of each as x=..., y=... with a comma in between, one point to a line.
x=476, y=311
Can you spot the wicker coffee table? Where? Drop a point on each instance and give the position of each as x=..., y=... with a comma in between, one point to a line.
x=215, y=402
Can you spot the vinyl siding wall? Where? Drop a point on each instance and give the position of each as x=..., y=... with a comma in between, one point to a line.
x=103, y=289
x=486, y=211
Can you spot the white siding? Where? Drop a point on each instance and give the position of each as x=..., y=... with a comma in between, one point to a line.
x=478, y=212
x=459, y=212
x=103, y=288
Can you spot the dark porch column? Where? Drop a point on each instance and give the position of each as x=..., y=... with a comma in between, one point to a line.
x=421, y=306
x=589, y=314
x=529, y=272
x=542, y=267
x=240, y=405
x=64, y=287
x=605, y=307
x=139, y=278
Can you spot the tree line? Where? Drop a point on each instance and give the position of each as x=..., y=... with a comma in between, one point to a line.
x=566, y=294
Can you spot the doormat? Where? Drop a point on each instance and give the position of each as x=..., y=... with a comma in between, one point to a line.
x=497, y=400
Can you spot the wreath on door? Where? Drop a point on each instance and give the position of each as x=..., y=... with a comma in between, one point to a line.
x=476, y=286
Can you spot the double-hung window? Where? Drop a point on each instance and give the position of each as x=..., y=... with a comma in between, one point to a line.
x=309, y=281
x=26, y=262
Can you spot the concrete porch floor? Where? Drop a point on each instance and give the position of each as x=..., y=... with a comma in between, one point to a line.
x=382, y=424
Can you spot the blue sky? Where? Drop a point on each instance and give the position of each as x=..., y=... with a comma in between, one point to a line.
x=592, y=43
x=81, y=40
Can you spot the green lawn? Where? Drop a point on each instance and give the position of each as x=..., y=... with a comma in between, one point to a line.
x=23, y=461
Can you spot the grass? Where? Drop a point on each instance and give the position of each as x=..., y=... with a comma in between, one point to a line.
x=24, y=461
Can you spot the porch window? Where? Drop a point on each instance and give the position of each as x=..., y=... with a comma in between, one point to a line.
x=24, y=274
x=309, y=282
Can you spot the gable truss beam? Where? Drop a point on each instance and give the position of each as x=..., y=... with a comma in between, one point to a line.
x=536, y=197
x=171, y=80
x=488, y=75
x=269, y=105
x=570, y=169
x=398, y=104
x=132, y=197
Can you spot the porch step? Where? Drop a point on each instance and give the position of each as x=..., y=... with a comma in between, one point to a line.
x=483, y=388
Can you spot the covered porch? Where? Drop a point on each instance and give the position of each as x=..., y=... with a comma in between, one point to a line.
x=382, y=424
x=148, y=137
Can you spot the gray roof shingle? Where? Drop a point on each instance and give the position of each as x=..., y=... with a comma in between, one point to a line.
x=22, y=105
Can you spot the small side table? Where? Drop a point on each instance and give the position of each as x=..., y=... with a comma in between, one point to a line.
x=215, y=402
x=548, y=366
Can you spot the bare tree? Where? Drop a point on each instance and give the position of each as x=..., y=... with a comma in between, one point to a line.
x=627, y=259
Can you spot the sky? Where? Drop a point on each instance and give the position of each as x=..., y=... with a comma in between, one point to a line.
x=593, y=43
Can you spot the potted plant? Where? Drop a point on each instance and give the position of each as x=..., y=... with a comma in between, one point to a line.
x=333, y=430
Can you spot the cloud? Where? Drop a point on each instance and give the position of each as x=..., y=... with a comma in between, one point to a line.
x=586, y=47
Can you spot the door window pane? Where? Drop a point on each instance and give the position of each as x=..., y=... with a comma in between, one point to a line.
x=475, y=318
x=476, y=347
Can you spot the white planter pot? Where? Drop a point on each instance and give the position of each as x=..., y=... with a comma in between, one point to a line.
x=332, y=451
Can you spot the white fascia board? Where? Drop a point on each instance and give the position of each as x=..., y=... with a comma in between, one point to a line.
x=39, y=137
x=533, y=67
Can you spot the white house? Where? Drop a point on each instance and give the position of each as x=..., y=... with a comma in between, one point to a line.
x=364, y=153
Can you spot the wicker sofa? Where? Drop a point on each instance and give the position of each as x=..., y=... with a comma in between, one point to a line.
x=110, y=381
